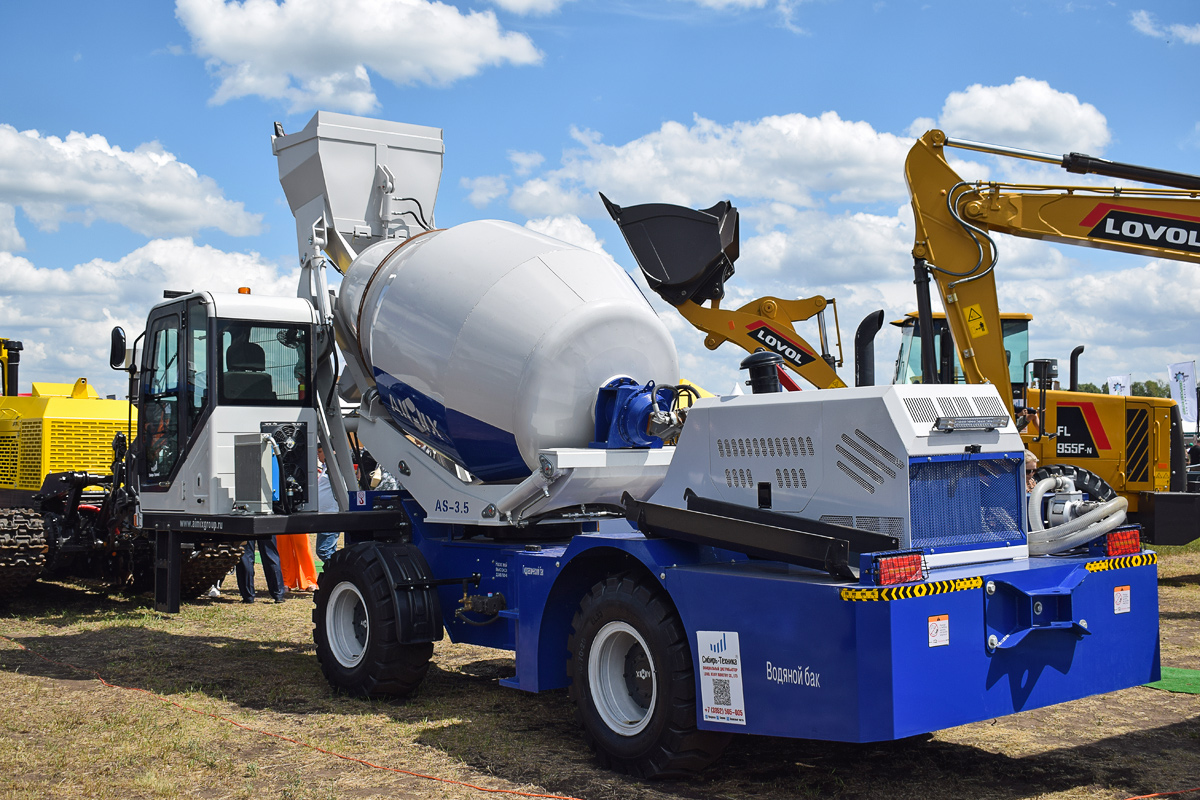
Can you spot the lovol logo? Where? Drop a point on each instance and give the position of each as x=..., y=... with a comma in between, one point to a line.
x=776, y=342
x=1138, y=226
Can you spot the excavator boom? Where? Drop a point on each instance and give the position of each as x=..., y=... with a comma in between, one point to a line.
x=954, y=219
x=1134, y=444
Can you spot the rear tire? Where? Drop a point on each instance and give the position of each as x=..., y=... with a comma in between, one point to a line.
x=356, y=631
x=633, y=684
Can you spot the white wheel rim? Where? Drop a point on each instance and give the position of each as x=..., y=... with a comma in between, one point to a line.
x=347, y=624
x=615, y=645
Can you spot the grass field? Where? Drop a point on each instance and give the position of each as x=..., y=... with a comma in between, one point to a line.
x=219, y=662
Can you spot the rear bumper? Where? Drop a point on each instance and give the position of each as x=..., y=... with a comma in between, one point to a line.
x=822, y=660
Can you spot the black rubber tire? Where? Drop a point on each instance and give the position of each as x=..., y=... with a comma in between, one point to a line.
x=669, y=745
x=385, y=667
x=1085, y=480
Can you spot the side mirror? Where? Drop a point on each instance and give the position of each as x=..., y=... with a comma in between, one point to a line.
x=116, y=353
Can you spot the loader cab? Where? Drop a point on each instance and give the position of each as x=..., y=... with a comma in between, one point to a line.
x=195, y=362
x=1015, y=328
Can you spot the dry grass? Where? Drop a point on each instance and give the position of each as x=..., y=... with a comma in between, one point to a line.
x=62, y=734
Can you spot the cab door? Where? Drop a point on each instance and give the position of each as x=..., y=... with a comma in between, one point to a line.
x=160, y=408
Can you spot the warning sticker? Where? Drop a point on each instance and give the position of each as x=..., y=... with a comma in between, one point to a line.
x=939, y=630
x=1121, y=600
x=721, y=677
x=976, y=325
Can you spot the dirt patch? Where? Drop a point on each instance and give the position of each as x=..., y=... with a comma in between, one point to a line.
x=64, y=735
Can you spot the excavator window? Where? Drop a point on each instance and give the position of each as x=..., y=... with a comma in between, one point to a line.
x=908, y=364
x=263, y=364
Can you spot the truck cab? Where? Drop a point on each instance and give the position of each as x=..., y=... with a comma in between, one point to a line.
x=215, y=367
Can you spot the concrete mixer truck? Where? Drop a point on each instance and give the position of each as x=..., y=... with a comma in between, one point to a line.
x=850, y=565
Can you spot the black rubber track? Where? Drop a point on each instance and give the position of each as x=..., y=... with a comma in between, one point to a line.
x=22, y=550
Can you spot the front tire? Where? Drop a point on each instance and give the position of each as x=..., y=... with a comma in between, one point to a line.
x=356, y=631
x=633, y=684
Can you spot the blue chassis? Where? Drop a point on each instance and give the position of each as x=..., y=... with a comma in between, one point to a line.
x=878, y=674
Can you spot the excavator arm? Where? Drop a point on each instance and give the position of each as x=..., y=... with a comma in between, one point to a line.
x=954, y=219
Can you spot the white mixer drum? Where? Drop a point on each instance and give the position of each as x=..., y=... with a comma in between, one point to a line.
x=488, y=341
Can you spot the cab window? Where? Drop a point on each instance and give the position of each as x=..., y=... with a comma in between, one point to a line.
x=160, y=398
x=263, y=364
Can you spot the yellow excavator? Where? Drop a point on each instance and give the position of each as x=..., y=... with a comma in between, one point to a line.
x=1131, y=446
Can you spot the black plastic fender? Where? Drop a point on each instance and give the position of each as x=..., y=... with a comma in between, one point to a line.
x=418, y=609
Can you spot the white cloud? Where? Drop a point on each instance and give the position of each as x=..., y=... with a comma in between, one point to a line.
x=525, y=163
x=84, y=178
x=485, y=189
x=571, y=229
x=1135, y=319
x=10, y=237
x=820, y=248
x=64, y=316
x=791, y=159
x=1143, y=22
x=530, y=6
x=825, y=213
x=313, y=53
x=1028, y=114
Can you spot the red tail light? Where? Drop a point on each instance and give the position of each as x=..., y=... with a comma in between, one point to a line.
x=904, y=568
x=1123, y=543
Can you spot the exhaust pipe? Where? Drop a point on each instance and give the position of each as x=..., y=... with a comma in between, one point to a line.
x=864, y=348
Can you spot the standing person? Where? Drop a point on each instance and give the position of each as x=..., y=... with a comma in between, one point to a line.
x=326, y=502
x=270, y=561
x=296, y=560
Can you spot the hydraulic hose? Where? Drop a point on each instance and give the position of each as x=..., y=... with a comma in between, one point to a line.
x=1098, y=521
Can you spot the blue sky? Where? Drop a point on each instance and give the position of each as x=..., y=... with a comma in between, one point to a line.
x=135, y=152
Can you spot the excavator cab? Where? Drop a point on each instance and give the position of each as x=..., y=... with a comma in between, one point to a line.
x=1014, y=328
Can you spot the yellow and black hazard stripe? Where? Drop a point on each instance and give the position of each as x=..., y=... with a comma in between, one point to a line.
x=1123, y=562
x=912, y=590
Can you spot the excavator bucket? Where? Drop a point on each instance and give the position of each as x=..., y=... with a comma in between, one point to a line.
x=684, y=254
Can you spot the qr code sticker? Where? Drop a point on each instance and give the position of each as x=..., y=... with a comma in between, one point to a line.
x=721, y=695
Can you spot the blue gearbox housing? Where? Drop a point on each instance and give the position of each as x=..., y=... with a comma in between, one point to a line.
x=623, y=409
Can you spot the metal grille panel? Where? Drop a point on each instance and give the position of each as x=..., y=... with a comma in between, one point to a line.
x=82, y=445
x=990, y=406
x=921, y=409
x=966, y=502
x=29, y=458
x=1137, y=444
x=8, y=460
